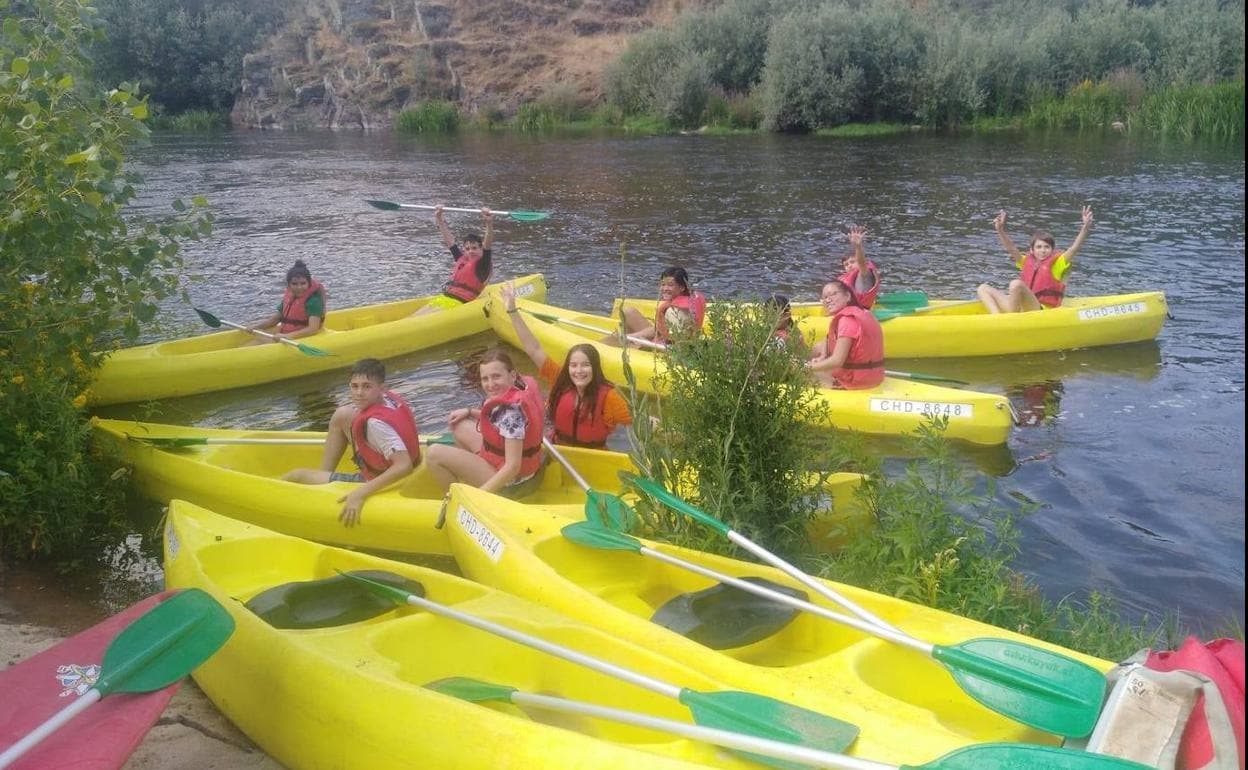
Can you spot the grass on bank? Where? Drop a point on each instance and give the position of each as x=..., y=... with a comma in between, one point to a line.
x=191, y=122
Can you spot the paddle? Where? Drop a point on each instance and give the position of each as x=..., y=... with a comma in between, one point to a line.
x=741, y=712
x=984, y=756
x=554, y=319
x=600, y=507
x=518, y=216
x=893, y=299
x=176, y=442
x=1037, y=687
x=217, y=323
x=886, y=313
x=165, y=644
x=924, y=377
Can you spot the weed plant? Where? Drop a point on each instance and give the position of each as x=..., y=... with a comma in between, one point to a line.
x=192, y=122
x=431, y=117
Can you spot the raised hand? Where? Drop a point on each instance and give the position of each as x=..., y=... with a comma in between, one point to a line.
x=999, y=221
x=856, y=234
x=1087, y=216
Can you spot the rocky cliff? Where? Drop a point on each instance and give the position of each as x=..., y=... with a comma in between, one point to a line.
x=358, y=63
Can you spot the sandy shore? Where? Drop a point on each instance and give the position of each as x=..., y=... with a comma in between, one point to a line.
x=190, y=735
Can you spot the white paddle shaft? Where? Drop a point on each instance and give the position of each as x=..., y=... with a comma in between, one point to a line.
x=550, y=648
x=725, y=738
x=550, y=447
x=51, y=725
x=449, y=208
x=242, y=328
x=645, y=343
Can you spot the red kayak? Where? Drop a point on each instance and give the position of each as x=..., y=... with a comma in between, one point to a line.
x=103, y=736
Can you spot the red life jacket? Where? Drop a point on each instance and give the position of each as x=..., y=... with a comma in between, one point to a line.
x=850, y=279
x=864, y=368
x=294, y=315
x=695, y=305
x=576, y=427
x=464, y=284
x=393, y=411
x=1040, y=279
x=530, y=400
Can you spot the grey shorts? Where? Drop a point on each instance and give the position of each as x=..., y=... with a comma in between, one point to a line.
x=356, y=477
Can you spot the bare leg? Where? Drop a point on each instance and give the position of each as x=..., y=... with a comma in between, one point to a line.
x=994, y=300
x=335, y=444
x=467, y=436
x=1021, y=298
x=449, y=464
x=634, y=322
x=428, y=308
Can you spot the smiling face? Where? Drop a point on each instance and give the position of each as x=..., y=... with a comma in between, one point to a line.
x=580, y=369
x=496, y=378
x=298, y=285
x=834, y=297
x=669, y=288
x=1041, y=249
x=364, y=391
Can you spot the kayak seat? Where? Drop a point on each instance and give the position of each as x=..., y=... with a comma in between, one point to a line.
x=723, y=617
x=333, y=601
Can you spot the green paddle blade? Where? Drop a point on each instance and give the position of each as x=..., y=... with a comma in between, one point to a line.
x=383, y=205
x=208, y=318
x=594, y=535
x=472, y=690
x=1024, y=756
x=609, y=511
x=1042, y=689
x=763, y=717
x=900, y=299
x=655, y=490
x=165, y=644
x=920, y=377
x=311, y=351
x=528, y=216
x=329, y=602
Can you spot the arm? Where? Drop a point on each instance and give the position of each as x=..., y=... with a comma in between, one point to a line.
x=527, y=340
x=1082, y=236
x=265, y=324
x=353, y=502
x=487, y=216
x=840, y=354
x=448, y=240
x=1010, y=248
x=314, y=326
x=513, y=451
x=866, y=279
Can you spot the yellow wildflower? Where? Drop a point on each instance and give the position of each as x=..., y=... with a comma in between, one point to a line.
x=17, y=379
x=80, y=400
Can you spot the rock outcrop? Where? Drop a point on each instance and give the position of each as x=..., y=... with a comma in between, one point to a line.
x=358, y=63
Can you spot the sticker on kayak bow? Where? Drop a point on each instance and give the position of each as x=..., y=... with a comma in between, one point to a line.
x=1127, y=308
x=480, y=534
x=524, y=290
x=922, y=408
x=76, y=679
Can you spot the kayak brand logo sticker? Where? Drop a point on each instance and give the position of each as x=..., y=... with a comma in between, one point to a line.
x=922, y=408
x=524, y=290
x=76, y=679
x=1127, y=308
x=480, y=534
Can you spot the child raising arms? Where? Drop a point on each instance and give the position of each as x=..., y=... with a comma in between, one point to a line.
x=473, y=264
x=1043, y=267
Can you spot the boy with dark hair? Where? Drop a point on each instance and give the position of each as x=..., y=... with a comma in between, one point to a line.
x=379, y=427
x=473, y=264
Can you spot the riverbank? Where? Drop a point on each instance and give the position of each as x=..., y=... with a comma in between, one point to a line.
x=192, y=734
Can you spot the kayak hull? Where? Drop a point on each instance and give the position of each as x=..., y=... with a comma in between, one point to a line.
x=895, y=407
x=885, y=689
x=221, y=361
x=103, y=736
x=353, y=695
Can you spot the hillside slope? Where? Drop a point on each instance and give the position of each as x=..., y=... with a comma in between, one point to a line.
x=358, y=63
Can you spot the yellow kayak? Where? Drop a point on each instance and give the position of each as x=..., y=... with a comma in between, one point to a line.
x=954, y=328
x=221, y=361
x=352, y=695
x=244, y=481
x=894, y=407
x=879, y=685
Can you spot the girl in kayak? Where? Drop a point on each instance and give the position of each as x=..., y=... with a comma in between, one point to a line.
x=681, y=310
x=779, y=306
x=379, y=427
x=860, y=274
x=474, y=262
x=301, y=312
x=499, y=444
x=1043, y=269
x=852, y=356
x=583, y=406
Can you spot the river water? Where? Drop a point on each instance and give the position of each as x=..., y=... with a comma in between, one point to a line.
x=1135, y=454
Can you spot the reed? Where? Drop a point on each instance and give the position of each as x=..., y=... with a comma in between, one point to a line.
x=432, y=117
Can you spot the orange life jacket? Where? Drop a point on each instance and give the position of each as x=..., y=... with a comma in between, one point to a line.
x=575, y=426
x=864, y=368
x=694, y=304
x=865, y=298
x=464, y=284
x=294, y=315
x=1040, y=279
x=529, y=398
x=393, y=411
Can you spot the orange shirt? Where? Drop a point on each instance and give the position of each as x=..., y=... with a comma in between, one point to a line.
x=614, y=409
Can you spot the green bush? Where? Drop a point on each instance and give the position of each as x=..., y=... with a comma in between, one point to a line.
x=74, y=271
x=432, y=117
x=192, y=122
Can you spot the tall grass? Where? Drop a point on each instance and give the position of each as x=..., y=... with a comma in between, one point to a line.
x=431, y=117
x=192, y=122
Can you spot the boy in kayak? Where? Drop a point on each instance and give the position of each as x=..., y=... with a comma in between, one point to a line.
x=1043, y=268
x=379, y=427
x=681, y=311
x=473, y=264
x=852, y=356
x=302, y=310
x=860, y=274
